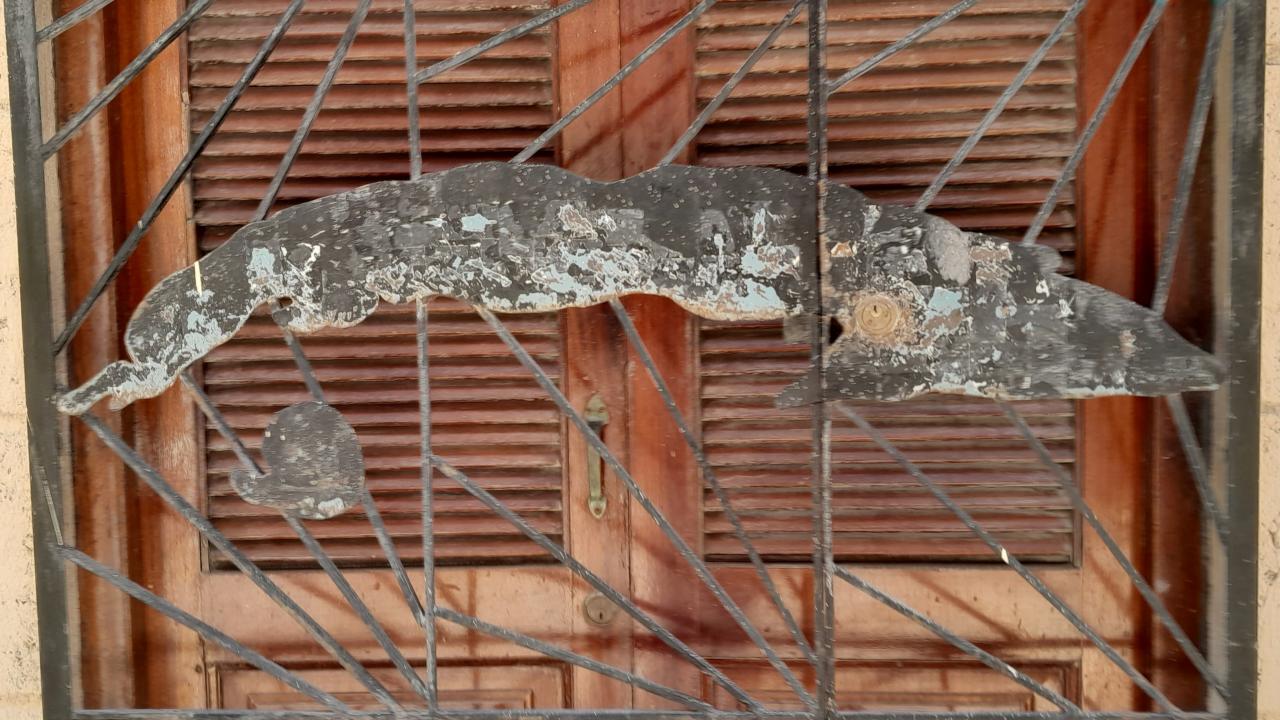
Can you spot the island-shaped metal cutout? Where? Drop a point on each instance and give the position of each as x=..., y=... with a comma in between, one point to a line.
x=922, y=306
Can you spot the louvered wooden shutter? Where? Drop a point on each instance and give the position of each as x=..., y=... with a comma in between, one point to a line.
x=489, y=417
x=891, y=131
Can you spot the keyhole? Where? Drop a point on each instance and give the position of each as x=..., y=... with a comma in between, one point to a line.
x=598, y=609
x=877, y=316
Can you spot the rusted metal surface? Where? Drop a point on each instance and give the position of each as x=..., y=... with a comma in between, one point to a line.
x=315, y=467
x=921, y=305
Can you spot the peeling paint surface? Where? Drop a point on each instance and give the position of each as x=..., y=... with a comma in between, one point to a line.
x=970, y=314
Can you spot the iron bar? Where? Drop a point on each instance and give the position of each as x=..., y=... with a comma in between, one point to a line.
x=1095, y=121
x=549, y=134
x=557, y=653
x=69, y=20
x=514, y=33
x=727, y=89
x=411, y=88
x=695, y=561
x=593, y=714
x=1190, y=156
x=820, y=424
x=965, y=646
x=171, y=184
x=1199, y=467
x=130, y=71
x=204, y=629
x=1009, y=559
x=582, y=571
x=174, y=499
x=1019, y=80
x=893, y=48
x=313, y=108
x=428, y=502
x=709, y=474
x=1144, y=588
x=356, y=603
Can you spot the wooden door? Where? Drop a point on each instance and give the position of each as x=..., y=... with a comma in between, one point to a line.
x=890, y=134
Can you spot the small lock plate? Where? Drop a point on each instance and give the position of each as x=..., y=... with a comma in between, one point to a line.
x=598, y=609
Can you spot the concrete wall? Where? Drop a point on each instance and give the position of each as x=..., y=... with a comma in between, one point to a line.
x=19, y=650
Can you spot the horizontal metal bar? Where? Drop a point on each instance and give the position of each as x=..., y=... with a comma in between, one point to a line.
x=900, y=44
x=204, y=629
x=70, y=19
x=587, y=714
x=131, y=71
x=557, y=653
x=480, y=48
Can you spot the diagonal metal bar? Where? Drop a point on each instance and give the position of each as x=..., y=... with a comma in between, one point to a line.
x=732, y=83
x=204, y=629
x=1148, y=593
x=550, y=133
x=1095, y=121
x=175, y=179
x=709, y=474
x=174, y=499
x=966, y=646
x=1002, y=102
x=428, y=509
x=69, y=20
x=628, y=714
x=1008, y=558
x=558, y=653
x=1199, y=467
x=130, y=71
x=1190, y=156
x=695, y=561
x=480, y=48
x=898, y=45
x=313, y=107
x=559, y=553
x=823, y=560
x=357, y=604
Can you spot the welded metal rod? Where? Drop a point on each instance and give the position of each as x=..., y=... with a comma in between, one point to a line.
x=693, y=558
x=900, y=44
x=627, y=714
x=709, y=474
x=1190, y=156
x=428, y=500
x=1009, y=559
x=411, y=88
x=967, y=647
x=1066, y=23
x=626, y=605
x=823, y=559
x=727, y=89
x=130, y=71
x=313, y=108
x=175, y=179
x=558, y=653
x=70, y=19
x=174, y=499
x=1209, y=505
x=480, y=48
x=586, y=104
x=1144, y=588
x=204, y=629
x=1095, y=120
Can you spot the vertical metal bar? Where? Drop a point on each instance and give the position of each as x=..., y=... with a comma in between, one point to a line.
x=39, y=372
x=823, y=559
x=1243, y=327
x=411, y=88
x=428, y=509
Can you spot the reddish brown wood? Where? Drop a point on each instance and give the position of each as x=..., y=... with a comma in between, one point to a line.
x=152, y=136
x=102, y=490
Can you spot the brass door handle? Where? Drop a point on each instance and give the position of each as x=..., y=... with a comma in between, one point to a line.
x=597, y=416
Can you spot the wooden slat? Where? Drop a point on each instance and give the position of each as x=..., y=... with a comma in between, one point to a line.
x=490, y=419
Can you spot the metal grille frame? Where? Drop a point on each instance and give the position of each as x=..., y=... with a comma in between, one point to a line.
x=1239, y=25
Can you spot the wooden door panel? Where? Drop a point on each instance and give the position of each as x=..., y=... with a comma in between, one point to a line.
x=493, y=685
